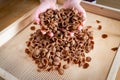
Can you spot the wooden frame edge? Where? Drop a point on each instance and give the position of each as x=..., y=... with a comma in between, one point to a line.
x=6, y=75
x=115, y=66
x=101, y=10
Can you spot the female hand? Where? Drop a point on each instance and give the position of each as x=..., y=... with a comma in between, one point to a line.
x=45, y=4
x=76, y=4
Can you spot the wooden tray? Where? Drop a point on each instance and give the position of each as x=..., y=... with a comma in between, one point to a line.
x=15, y=64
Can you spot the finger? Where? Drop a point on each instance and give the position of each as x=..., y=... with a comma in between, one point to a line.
x=66, y=5
x=83, y=13
x=43, y=32
x=36, y=16
x=54, y=6
x=81, y=10
x=83, y=23
x=80, y=27
x=37, y=20
x=71, y=34
x=39, y=10
x=50, y=34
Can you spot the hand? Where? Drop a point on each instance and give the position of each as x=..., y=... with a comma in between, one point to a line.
x=75, y=4
x=45, y=4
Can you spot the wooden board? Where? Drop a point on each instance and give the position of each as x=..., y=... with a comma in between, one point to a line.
x=16, y=63
x=118, y=74
x=114, y=67
x=111, y=3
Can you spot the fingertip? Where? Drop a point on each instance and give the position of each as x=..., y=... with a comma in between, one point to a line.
x=83, y=23
x=55, y=7
x=43, y=32
x=80, y=27
x=84, y=15
x=51, y=34
x=76, y=11
x=37, y=20
x=71, y=34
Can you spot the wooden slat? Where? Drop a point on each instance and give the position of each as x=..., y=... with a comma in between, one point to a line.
x=118, y=74
x=115, y=66
x=101, y=10
x=111, y=3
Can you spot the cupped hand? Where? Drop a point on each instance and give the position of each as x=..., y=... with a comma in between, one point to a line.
x=45, y=4
x=76, y=5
